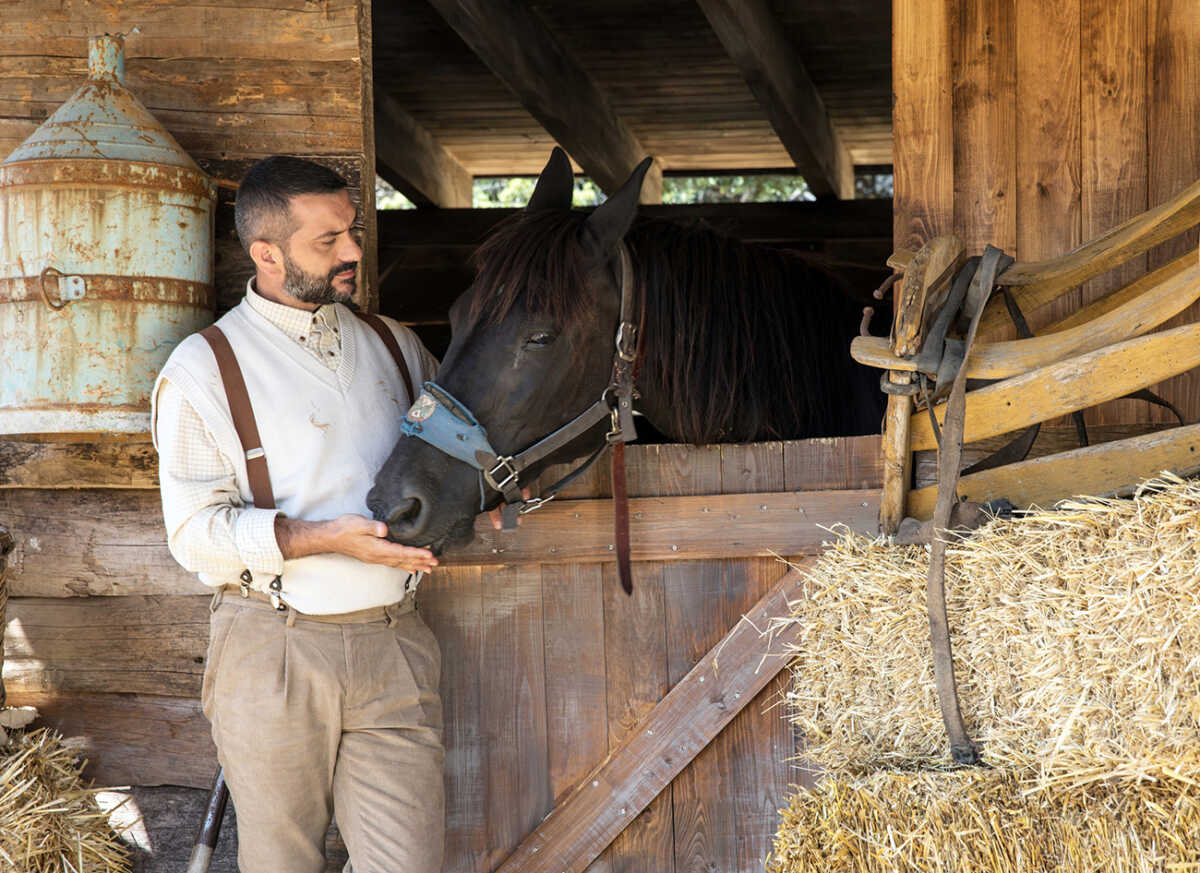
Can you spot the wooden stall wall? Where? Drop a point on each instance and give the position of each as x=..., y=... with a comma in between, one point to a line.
x=1037, y=125
x=547, y=664
x=232, y=82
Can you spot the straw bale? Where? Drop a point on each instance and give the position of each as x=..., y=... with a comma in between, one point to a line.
x=987, y=820
x=1076, y=637
x=49, y=822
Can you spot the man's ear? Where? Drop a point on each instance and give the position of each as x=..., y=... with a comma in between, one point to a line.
x=555, y=185
x=267, y=257
x=611, y=220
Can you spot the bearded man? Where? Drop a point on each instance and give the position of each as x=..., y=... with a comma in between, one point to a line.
x=321, y=681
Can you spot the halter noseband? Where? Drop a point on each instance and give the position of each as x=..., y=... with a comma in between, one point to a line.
x=446, y=424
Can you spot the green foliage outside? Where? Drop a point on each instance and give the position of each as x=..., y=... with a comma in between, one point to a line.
x=514, y=191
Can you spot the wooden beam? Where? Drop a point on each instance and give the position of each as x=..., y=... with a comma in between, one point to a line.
x=773, y=69
x=792, y=223
x=110, y=542
x=1095, y=470
x=662, y=744
x=525, y=55
x=413, y=162
x=673, y=528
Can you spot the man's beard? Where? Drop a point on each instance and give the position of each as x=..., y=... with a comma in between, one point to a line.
x=311, y=288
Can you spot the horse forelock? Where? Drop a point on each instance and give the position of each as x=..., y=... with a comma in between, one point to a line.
x=535, y=261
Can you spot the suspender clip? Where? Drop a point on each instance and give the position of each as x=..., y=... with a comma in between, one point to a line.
x=244, y=585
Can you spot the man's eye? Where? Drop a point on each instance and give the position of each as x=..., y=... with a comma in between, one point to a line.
x=541, y=338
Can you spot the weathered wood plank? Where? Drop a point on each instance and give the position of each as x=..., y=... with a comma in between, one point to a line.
x=576, y=672
x=110, y=542
x=131, y=739
x=115, y=461
x=132, y=645
x=525, y=54
x=1172, y=152
x=512, y=708
x=1095, y=470
x=922, y=119
x=1075, y=383
x=836, y=463
x=675, y=528
x=985, y=127
x=775, y=72
x=90, y=542
x=682, y=724
x=451, y=602
x=413, y=162
x=184, y=28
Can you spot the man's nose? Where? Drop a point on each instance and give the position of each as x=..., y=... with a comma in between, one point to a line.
x=350, y=250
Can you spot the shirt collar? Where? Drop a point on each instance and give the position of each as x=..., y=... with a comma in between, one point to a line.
x=296, y=323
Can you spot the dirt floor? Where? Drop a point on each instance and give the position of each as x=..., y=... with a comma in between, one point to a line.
x=162, y=827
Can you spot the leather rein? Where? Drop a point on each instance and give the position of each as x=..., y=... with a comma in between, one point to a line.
x=443, y=422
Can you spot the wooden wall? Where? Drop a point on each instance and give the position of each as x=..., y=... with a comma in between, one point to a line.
x=232, y=82
x=546, y=664
x=1036, y=125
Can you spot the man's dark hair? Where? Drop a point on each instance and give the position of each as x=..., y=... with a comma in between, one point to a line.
x=261, y=210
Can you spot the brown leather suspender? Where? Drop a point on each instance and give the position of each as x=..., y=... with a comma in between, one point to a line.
x=389, y=340
x=243, y=417
x=243, y=413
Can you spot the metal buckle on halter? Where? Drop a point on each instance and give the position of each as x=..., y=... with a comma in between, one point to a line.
x=504, y=462
x=627, y=341
x=614, y=430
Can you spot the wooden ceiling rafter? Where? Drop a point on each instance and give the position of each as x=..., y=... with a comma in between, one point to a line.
x=774, y=71
x=413, y=162
x=525, y=54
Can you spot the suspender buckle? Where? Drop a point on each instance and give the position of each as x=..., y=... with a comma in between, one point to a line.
x=244, y=585
x=275, y=589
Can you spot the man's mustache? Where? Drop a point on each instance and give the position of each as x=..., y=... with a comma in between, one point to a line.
x=341, y=268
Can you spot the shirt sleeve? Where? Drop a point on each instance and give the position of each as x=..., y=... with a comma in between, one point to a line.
x=209, y=529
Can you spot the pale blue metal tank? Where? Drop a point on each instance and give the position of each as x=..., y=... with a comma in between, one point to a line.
x=106, y=259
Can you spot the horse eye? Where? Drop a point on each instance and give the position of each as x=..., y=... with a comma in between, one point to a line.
x=541, y=338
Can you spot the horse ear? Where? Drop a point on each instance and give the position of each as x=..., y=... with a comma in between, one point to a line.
x=611, y=220
x=555, y=185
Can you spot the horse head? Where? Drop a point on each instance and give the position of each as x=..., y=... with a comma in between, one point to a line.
x=532, y=347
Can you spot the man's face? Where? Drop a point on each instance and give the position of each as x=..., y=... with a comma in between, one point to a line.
x=321, y=256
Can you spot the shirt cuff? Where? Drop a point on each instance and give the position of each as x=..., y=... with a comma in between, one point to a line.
x=254, y=535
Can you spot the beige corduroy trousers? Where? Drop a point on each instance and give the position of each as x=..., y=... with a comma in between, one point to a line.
x=313, y=718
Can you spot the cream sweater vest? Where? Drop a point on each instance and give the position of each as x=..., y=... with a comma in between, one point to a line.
x=325, y=435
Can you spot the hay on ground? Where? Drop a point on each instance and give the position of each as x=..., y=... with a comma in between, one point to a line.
x=987, y=820
x=49, y=822
x=1076, y=638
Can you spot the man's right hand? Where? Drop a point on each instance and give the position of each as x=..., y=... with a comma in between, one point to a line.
x=353, y=535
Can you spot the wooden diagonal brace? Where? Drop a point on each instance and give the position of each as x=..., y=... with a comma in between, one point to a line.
x=663, y=743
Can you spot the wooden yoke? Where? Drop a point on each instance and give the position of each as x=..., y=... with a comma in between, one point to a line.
x=923, y=292
x=1099, y=353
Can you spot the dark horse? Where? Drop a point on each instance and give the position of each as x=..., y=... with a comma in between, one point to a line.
x=740, y=343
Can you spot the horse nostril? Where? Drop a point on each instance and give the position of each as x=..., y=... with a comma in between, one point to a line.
x=405, y=512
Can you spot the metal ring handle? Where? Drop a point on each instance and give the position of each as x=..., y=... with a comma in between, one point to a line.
x=46, y=297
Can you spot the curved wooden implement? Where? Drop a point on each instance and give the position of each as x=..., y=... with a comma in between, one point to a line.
x=1130, y=312
x=1066, y=386
x=1095, y=470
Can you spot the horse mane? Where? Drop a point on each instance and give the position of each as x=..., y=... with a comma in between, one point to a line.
x=743, y=342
